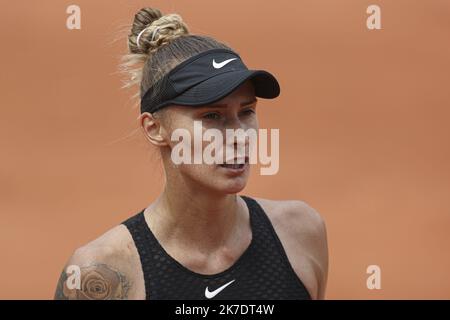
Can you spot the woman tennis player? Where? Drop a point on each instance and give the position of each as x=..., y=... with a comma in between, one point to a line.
x=200, y=239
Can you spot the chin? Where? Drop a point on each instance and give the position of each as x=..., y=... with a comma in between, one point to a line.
x=234, y=189
x=220, y=181
x=231, y=183
x=230, y=186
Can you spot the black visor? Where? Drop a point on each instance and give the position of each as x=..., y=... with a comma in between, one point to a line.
x=205, y=78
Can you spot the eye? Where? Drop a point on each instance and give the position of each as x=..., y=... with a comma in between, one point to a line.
x=212, y=116
x=248, y=111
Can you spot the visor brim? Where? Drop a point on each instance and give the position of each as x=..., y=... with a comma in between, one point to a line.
x=215, y=88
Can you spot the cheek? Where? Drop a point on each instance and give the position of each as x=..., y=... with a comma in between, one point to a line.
x=180, y=129
x=253, y=122
x=186, y=144
x=191, y=136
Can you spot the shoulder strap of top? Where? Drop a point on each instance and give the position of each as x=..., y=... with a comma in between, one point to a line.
x=265, y=230
x=143, y=240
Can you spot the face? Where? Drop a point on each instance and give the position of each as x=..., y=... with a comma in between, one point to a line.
x=235, y=111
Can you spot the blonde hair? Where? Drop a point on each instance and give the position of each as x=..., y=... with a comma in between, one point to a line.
x=164, y=42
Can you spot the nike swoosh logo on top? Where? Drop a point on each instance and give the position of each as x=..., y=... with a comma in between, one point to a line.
x=218, y=65
x=212, y=294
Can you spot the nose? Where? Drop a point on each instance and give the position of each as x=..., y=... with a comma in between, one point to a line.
x=236, y=139
x=233, y=121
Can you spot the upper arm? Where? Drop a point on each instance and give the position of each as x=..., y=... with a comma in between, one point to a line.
x=88, y=277
x=316, y=233
x=105, y=269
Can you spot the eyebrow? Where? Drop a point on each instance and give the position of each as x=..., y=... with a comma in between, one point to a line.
x=221, y=105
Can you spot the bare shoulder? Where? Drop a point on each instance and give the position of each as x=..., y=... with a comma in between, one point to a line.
x=294, y=213
x=302, y=231
x=105, y=268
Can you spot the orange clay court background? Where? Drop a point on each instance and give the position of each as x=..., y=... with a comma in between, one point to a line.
x=363, y=118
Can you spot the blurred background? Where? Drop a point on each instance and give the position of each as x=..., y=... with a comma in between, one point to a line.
x=363, y=118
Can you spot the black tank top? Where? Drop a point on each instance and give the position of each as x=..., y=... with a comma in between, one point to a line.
x=263, y=271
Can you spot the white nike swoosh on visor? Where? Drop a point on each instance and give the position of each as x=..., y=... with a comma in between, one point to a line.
x=212, y=294
x=219, y=65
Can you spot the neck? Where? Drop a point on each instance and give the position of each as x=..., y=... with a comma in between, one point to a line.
x=196, y=217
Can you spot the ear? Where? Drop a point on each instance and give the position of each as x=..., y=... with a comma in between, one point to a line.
x=153, y=129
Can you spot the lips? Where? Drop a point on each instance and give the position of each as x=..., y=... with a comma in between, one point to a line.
x=236, y=164
x=233, y=166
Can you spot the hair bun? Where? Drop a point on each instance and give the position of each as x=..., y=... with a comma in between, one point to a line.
x=151, y=30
